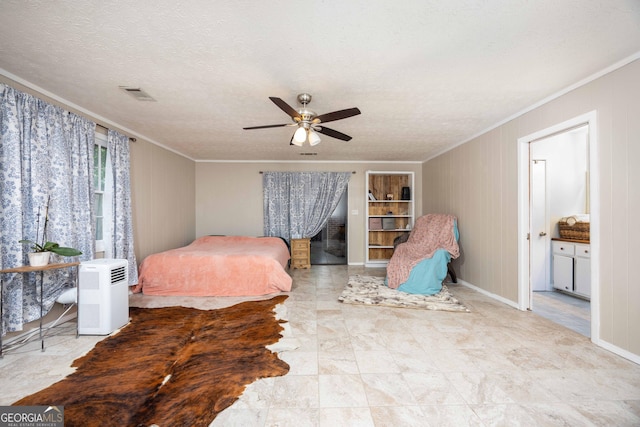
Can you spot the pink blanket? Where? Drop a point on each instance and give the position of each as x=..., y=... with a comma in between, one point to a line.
x=430, y=233
x=218, y=266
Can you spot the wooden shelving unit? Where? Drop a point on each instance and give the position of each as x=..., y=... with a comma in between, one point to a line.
x=389, y=215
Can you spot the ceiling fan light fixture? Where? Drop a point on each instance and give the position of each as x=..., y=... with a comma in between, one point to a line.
x=306, y=119
x=314, y=138
x=300, y=136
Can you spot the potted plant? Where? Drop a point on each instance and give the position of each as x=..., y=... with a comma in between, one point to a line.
x=42, y=251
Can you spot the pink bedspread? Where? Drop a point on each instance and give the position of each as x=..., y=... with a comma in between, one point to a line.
x=430, y=233
x=218, y=266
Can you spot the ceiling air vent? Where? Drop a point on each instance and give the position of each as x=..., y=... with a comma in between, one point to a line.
x=137, y=93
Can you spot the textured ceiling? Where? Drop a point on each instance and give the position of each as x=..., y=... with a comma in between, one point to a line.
x=426, y=74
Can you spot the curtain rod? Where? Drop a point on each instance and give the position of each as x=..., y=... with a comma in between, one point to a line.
x=132, y=139
x=353, y=172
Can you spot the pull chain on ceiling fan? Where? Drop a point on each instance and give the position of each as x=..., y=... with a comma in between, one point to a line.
x=308, y=121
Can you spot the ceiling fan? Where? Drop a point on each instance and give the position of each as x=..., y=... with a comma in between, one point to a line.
x=308, y=121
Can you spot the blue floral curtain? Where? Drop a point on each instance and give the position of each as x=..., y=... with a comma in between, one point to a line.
x=122, y=239
x=299, y=204
x=46, y=164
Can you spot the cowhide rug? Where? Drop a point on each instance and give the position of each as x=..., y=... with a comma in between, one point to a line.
x=172, y=366
x=371, y=290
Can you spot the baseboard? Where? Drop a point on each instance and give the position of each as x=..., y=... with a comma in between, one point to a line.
x=635, y=358
x=375, y=264
x=490, y=295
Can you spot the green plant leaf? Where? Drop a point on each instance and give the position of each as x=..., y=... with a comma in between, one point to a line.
x=36, y=247
x=52, y=247
x=64, y=251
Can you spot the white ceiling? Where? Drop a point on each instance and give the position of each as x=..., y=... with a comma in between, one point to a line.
x=426, y=74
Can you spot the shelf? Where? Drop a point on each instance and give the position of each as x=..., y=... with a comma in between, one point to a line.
x=395, y=213
x=29, y=269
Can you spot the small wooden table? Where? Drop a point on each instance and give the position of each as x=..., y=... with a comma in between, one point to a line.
x=29, y=269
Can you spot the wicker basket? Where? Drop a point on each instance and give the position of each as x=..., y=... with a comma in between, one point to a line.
x=577, y=231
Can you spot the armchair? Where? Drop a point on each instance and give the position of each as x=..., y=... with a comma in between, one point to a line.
x=420, y=264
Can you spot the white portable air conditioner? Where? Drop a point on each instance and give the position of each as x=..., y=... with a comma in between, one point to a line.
x=103, y=297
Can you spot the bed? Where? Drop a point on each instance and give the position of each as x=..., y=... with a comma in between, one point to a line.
x=218, y=266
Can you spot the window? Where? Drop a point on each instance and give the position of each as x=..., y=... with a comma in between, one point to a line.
x=102, y=194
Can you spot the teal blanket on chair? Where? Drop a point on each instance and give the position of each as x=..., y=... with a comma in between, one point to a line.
x=426, y=278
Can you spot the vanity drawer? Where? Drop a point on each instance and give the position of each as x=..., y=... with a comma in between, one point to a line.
x=563, y=248
x=583, y=251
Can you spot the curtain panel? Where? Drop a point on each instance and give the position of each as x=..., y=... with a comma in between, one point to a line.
x=46, y=165
x=122, y=227
x=298, y=204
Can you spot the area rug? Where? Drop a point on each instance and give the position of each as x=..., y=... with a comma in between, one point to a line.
x=172, y=366
x=371, y=290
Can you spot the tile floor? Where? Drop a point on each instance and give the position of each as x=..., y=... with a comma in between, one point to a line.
x=375, y=366
x=566, y=310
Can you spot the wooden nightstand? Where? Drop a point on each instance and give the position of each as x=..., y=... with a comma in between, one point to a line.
x=300, y=253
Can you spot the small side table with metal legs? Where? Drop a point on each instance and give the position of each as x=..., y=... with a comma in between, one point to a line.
x=28, y=269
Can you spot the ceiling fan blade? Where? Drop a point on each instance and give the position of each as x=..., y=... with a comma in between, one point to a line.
x=337, y=115
x=285, y=107
x=267, y=126
x=332, y=133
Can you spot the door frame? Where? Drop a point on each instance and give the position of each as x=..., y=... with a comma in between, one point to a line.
x=524, y=208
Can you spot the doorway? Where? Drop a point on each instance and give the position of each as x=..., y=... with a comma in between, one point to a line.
x=558, y=188
x=546, y=185
x=329, y=246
